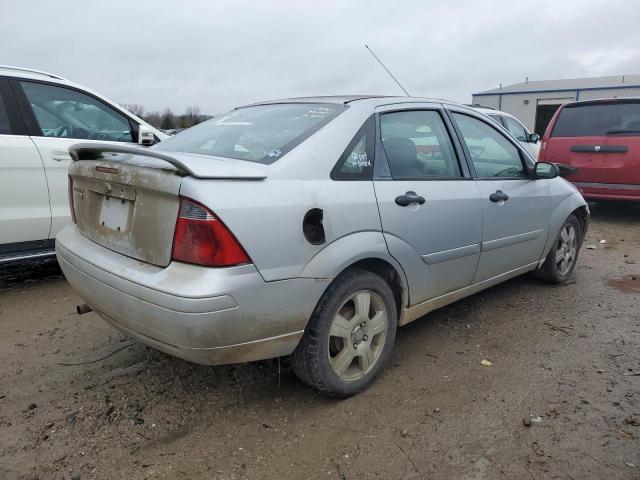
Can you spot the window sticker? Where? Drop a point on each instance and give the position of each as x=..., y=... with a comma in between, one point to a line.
x=359, y=159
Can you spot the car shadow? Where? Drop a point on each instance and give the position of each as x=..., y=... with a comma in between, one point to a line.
x=622, y=212
x=32, y=272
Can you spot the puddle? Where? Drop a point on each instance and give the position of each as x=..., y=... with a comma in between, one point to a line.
x=627, y=284
x=26, y=273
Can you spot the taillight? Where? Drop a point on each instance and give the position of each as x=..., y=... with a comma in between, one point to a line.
x=201, y=238
x=71, y=206
x=543, y=150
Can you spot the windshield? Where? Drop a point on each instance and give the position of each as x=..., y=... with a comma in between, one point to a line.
x=261, y=133
x=598, y=120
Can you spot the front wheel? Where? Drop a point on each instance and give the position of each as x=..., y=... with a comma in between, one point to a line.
x=350, y=335
x=562, y=258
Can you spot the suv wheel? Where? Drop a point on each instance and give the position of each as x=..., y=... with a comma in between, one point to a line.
x=350, y=335
x=562, y=257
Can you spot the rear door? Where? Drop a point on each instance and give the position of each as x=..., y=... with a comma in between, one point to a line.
x=601, y=139
x=429, y=205
x=516, y=208
x=57, y=117
x=24, y=197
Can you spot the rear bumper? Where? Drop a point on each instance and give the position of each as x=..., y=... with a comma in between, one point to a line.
x=609, y=191
x=205, y=315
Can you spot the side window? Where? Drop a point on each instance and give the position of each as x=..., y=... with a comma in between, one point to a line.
x=498, y=119
x=491, y=153
x=417, y=145
x=515, y=129
x=66, y=113
x=5, y=127
x=356, y=163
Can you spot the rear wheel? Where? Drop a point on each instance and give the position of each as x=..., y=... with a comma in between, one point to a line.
x=350, y=335
x=562, y=258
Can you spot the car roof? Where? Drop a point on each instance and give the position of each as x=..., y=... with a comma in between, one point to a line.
x=598, y=101
x=32, y=73
x=372, y=100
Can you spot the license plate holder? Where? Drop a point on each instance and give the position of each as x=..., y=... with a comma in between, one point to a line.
x=115, y=213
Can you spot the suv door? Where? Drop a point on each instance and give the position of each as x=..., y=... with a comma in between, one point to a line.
x=25, y=214
x=516, y=208
x=57, y=117
x=429, y=205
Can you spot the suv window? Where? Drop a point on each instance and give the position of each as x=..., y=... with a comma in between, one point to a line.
x=259, y=133
x=66, y=113
x=356, y=163
x=5, y=127
x=598, y=120
x=491, y=153
x=417, y=145
x=515, y=129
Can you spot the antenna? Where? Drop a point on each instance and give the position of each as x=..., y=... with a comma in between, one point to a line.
x=387, y=70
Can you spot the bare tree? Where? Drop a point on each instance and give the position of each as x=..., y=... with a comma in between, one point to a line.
x=193, y=116
x=135, y=108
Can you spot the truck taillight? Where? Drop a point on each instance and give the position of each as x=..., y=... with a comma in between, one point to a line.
x=202, y=239
x=71, y=206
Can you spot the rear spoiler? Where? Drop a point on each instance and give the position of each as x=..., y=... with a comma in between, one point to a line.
x=198, y=166
x=97, y=151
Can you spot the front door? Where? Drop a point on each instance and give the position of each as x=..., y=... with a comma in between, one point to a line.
x=24, y=196
x=516, y=208
x=429, y=206
x=60, y=117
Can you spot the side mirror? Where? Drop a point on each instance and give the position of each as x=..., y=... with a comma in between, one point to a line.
x=546, y=170
x=533, y=138
x=145, y=136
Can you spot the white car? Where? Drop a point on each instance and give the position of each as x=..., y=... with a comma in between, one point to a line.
x=41, y=115
x=530, y=141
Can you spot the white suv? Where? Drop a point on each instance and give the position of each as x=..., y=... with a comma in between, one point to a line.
x=41, y=115
x=530, y=141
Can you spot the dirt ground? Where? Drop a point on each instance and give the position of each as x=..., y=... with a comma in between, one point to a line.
x=568, y=355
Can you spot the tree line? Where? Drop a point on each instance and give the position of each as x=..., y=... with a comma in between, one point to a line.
x=167, y=120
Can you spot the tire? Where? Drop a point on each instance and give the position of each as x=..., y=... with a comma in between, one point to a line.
x=554, y=270
x=335, y=355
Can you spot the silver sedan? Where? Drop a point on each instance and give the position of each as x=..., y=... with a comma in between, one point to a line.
x=311, y=227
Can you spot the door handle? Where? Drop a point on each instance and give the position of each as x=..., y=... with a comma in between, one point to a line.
x=499, y=196
x=60, y=157
x=409, y=198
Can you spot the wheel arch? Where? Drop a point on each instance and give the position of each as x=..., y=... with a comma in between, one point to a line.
x=365, y=250
x=582, y=214
x=573, y=204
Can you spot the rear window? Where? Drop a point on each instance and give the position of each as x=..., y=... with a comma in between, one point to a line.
x=260, y=134
x=598, y=120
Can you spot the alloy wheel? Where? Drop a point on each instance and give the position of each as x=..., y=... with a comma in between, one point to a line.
x=566, y=249
x=357, y=335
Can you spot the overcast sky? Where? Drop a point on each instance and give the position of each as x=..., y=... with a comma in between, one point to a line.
x=219, y=54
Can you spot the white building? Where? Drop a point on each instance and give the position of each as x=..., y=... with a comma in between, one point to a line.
x=535, y=102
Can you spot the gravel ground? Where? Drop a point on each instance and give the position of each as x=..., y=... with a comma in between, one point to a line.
x=78, y=400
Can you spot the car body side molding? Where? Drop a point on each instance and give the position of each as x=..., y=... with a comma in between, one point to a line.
x=446, y=255
x=511, y=240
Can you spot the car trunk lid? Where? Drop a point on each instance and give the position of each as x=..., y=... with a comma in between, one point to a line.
x=129, y=202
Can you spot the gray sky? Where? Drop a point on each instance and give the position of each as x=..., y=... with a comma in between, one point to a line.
x=219, y=54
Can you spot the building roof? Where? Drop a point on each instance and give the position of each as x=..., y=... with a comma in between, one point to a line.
x=568, y=84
